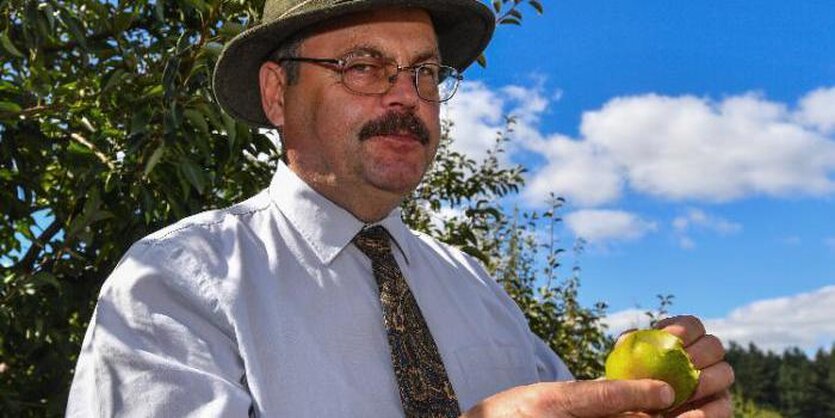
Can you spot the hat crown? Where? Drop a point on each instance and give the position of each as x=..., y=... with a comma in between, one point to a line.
x=278, y=9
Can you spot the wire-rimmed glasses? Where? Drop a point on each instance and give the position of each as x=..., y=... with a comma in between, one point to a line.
x=371, y=75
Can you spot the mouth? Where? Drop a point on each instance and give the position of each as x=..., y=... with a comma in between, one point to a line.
x=402, y=137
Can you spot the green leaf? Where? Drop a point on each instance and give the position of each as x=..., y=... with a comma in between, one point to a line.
x=49, y=12
x=231, y=127
x=159, y=11
x=74, y=26
x=110, y=182
x=197, y=120
x=79, y=150
x=169, y=76
x=231, y=29
x=199, y=5
x=10, y=107
x=112, y=79
x=153, y=160
x=9, y=46
x=139, y=122
x=45, y=278
x=497, y=5
x=482, y=60
x=213, y=49
x=193, y=174
x=537, y=5
x=510, y=21
x=151, y=92
x=122, y=21
x=87, y=216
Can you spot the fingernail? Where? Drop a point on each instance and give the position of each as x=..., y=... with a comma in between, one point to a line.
x=667, y=395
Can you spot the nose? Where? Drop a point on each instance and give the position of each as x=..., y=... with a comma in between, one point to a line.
x=403, y=92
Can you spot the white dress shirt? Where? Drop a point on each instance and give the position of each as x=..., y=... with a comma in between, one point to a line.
x=267, y=308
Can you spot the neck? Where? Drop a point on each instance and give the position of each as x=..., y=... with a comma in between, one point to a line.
x=367, y=203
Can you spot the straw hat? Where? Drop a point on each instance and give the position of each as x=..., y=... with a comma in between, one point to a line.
x=464, y=28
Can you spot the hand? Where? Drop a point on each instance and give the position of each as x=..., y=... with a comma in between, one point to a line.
x=578, y=399
x=604, y=398
x=712, y=398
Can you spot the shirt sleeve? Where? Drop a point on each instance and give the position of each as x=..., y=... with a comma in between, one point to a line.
x=157, y=344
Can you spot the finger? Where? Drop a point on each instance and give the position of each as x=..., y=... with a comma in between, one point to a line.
x=605, y=398
x=706, y=351
x=713, y=380
x=717, y=407
x=687, y=327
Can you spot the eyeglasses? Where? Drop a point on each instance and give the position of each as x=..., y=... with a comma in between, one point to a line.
x=374, y=76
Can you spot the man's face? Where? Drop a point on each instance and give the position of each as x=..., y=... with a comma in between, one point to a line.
x=350, y=143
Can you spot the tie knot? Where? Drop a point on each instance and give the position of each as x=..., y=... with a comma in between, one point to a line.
x=373, y=242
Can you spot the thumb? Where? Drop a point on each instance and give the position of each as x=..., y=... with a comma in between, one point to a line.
x=598, y=398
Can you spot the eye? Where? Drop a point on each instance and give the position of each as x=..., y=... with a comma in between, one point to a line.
x=428, y=71
x=363, y=67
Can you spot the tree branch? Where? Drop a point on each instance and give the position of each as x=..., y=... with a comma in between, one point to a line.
x=102, y=156
x=28, y=260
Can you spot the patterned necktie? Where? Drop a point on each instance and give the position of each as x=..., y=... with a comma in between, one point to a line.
x=425, y=390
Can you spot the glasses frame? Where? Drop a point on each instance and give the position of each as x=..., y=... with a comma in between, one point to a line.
x=340, y=64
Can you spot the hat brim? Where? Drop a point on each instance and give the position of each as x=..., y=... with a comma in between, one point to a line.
x=463, y=27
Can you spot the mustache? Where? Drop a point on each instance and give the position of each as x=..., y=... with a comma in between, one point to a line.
x=396, y=123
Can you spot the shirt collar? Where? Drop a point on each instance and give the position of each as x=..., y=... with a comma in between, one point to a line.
x=325, y=226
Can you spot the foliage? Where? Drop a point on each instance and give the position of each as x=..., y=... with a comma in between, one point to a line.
x=664, y=303
x=746, y=408
x=553, y=310
x=789, y=385
x=109, y=131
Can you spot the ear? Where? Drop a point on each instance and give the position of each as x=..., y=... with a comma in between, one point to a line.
x=273, y=81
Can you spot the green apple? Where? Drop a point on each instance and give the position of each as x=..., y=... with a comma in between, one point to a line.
x=654, y=354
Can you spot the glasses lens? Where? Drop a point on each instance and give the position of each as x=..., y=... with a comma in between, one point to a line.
x=438, y=82
x=370, y=75
x=365, y=75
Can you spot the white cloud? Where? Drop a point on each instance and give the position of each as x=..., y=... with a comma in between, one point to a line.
x=621, y=321
x=680, y=148
x=478, y=115
x=599, y=225
x=804, y=320
x=583, y=173
x=817, y=109
x=438, y=218
x=697, y=219
x=688, y=148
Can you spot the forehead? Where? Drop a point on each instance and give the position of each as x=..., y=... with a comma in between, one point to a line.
x=398, y=32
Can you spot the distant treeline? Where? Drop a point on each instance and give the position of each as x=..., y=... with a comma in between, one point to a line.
x=791, y=384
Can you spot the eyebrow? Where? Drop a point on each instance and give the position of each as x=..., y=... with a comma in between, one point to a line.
x=376, y=53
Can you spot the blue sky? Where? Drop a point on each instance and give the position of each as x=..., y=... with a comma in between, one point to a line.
x=695, y=142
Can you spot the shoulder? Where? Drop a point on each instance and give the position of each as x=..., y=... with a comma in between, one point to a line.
x=189, y=256
x=452, y=257
x=450, y=253
x=209, y=224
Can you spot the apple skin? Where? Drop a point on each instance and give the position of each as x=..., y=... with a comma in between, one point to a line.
x=654, y=354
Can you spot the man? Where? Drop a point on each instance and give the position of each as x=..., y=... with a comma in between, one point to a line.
x=312, y=298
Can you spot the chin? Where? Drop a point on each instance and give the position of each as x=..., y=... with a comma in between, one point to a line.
x=397, y=183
